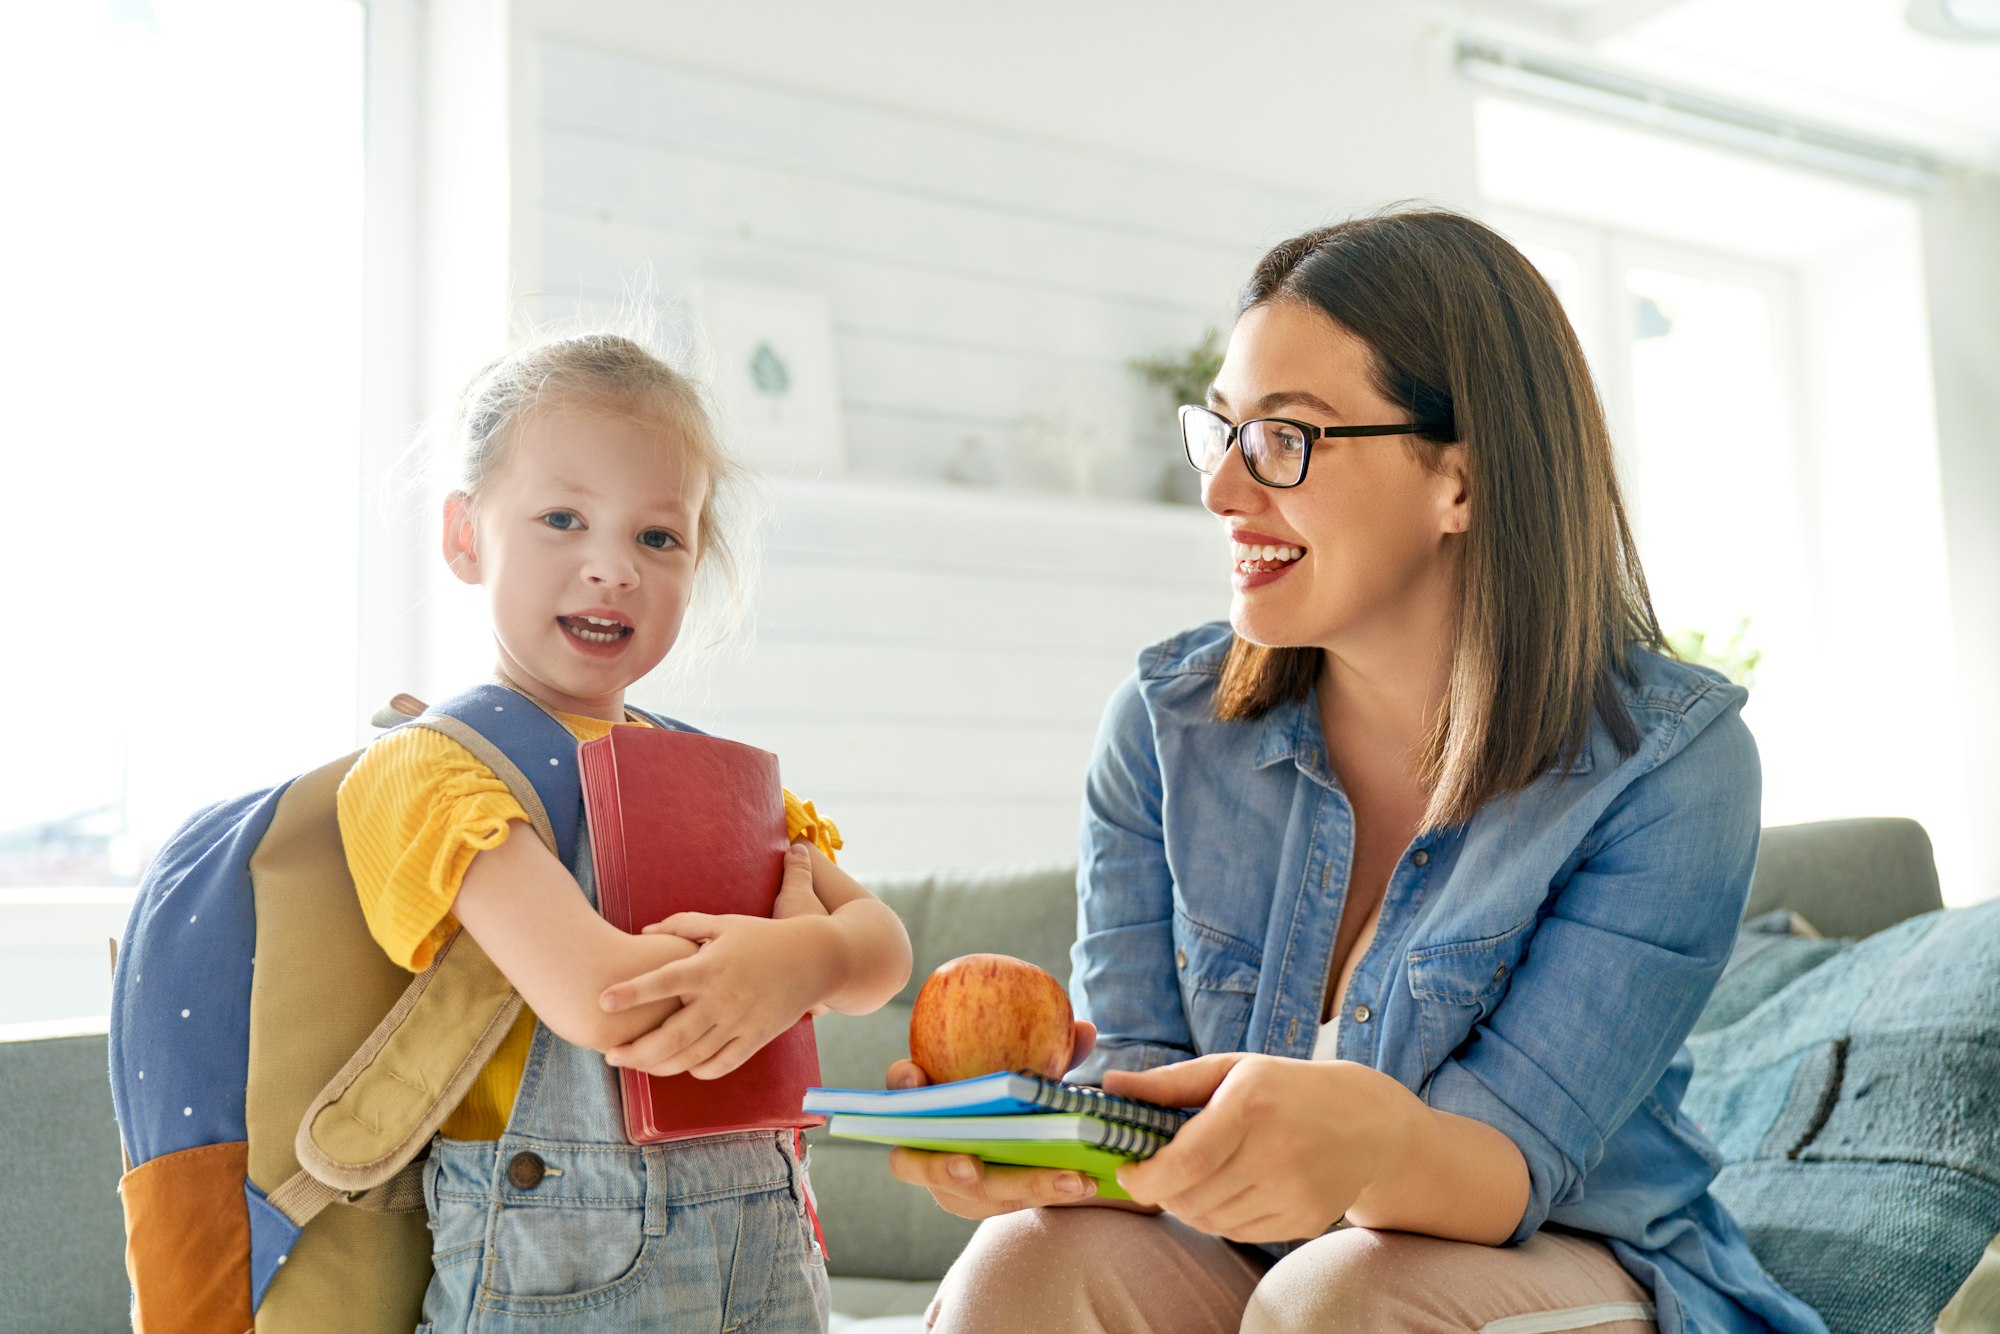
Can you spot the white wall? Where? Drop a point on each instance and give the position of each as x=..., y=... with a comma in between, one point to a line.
x=1004, y=205
x=1348, y=102
x=1002, y=210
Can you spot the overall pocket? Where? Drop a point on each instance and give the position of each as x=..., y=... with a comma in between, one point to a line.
x=568, y=1227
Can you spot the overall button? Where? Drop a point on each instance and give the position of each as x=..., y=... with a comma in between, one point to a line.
x=1420, y=858
x=1362, y=1014
x=526, y=1171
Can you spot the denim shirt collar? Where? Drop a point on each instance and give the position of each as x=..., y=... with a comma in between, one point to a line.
x=1291, y=731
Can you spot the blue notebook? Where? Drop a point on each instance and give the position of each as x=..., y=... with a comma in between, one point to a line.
x=1002, y=1094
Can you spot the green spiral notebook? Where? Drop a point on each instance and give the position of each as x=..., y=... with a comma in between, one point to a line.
x=1075, y=1143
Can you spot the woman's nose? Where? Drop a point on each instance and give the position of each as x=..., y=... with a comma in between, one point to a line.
x=1230, y=489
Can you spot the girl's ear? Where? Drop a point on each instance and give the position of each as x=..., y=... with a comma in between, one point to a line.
x=1454, y=490
x=458, y=537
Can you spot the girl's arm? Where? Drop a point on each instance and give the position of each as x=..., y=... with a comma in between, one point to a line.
x=753, y=977
x=528, y=914
x=868, y=949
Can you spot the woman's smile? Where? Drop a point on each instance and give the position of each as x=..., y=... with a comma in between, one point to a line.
x=1257, y=558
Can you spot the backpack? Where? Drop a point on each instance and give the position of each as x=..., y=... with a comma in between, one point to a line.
x=276, y=1077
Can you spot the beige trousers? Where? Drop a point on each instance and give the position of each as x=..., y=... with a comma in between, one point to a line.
x=1112, y=1272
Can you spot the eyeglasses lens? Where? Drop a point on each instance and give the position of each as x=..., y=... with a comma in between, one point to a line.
x=1206, y=437
x=1275, y=451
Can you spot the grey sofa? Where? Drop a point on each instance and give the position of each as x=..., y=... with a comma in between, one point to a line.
x=61, y=1240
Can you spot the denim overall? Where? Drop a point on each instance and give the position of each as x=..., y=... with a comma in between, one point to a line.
x=560, y=1225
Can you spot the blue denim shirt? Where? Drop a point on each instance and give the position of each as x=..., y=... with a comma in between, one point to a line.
x=1536, y=968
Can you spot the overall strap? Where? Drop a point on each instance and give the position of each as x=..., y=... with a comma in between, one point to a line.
x=662, y=721
x=358, y=1140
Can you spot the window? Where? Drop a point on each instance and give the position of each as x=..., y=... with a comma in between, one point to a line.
x=1759, y=338
x=186, y=226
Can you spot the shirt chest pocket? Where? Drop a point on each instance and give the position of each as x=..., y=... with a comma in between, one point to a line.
x=1218, y=980
x=1457, y=985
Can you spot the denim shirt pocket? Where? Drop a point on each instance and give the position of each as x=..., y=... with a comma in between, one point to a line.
x=1218, y=979
x=1457, y=984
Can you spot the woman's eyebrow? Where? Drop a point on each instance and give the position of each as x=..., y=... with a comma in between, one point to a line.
x=1295, y=398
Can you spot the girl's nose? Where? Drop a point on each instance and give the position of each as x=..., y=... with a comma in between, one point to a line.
x=1230, y=489
x=611, y=564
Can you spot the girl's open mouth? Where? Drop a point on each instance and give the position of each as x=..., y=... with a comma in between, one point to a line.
x=594, y=629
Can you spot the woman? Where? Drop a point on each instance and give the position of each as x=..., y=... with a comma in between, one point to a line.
x=1415, y=876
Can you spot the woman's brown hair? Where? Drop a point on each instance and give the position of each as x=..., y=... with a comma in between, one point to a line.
x=1468, y=338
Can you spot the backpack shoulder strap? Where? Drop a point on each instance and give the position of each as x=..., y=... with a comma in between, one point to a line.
x=358, y=1138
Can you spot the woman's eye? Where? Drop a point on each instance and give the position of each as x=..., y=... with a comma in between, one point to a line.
x=659, y=539
x=562, y=521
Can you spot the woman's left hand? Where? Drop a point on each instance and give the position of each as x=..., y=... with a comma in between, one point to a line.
x=1280, y=1150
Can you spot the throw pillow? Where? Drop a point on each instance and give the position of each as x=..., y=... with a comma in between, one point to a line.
x=1853, y=1090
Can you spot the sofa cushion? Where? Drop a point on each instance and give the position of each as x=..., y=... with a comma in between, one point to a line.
x=62, y=1235
x=1856, y=1105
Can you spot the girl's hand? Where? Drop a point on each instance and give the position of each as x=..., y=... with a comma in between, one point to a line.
x=972, y=1188
x=1281, y=1148
x=752, y=978
x=795, y=891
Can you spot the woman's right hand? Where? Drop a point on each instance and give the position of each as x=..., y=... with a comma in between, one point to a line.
x=972, y=1188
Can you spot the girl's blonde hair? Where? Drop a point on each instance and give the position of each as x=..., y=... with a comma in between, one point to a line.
x=613, y=372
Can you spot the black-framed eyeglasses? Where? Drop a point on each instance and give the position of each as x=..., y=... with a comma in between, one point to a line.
x=1276, y=450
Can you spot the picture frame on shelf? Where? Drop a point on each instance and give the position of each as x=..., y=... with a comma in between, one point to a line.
x=777, y=388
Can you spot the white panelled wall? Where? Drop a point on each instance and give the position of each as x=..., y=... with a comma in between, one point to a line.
x=930, y=666
x=987, y=288
x=928, y=661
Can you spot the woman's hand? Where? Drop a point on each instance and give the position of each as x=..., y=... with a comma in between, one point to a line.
x=1281, y=1149
x=973, y=1188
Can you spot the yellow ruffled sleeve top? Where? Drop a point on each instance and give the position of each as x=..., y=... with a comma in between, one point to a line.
x=414, y=811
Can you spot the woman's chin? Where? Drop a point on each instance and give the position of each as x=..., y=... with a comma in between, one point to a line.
x=1259, y=627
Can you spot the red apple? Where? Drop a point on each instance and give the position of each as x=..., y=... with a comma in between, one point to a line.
x=980, y=1013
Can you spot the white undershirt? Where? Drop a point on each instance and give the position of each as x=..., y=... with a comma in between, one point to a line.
x=1328, y=1040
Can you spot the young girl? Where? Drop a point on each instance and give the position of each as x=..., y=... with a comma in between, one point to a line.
x=584, y=509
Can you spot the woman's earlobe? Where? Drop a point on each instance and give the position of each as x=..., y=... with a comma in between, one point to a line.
x=1458, y=509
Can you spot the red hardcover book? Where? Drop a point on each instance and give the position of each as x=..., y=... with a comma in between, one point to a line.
x=681, y=822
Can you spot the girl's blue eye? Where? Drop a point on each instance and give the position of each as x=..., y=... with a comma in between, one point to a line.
x=562, y=521
x=659, y=539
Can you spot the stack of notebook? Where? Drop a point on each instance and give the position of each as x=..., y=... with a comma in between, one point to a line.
x=1020, y=1119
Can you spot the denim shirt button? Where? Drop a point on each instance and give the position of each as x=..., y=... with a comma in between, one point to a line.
x=1500, y=973
x=1362, y=1014
x=1180, y=958
x=1292, y=1032
x=1420, y=858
